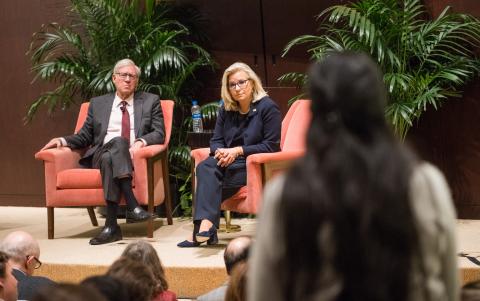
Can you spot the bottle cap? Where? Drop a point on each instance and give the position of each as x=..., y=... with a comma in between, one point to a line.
x=194, y=102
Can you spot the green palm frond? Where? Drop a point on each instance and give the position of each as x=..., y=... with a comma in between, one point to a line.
x=295, y=78
x=180, y=156
x=104, y=31
x=210, y=111
x=425, y=61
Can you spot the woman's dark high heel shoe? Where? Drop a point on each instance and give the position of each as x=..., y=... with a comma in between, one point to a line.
x=213, y=240
x=188, y=244
x=210, y=235
x=191, y=244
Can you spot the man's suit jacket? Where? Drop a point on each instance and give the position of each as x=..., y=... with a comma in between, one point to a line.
x=262, y=134
x=148, y=123
x=28, y=286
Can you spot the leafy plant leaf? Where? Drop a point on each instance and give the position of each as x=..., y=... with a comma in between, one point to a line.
x=425, y=61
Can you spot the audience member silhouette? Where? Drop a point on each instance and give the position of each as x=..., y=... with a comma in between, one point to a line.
x=24, y=253
x=8, y=283
x=137, y=278
x=111, y=288
x=143, y=251
x=237, y=287
x=471, y=291
x=67, y=292
x=236, y=252
x=362, y=218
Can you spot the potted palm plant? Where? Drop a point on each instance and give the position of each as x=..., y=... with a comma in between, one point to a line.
x=425, y=61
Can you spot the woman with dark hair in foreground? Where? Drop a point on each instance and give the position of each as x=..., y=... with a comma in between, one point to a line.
x=361, y=219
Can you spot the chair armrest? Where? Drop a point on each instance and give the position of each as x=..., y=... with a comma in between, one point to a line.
x=62, y=158
x=275, y=157
x=149, y=151
x=273, y=163
x=200, y=154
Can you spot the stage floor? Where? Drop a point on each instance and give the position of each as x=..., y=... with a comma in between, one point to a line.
x=69, y=257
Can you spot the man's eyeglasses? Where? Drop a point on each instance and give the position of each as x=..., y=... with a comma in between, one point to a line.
x=241, y=84
x=38, y=263
x=124, y=76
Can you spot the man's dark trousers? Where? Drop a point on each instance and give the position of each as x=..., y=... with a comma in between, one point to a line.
x=113, y=160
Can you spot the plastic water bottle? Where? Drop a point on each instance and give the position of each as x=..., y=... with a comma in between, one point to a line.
x=196, y=117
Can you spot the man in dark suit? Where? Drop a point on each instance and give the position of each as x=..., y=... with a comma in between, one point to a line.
x=117, y=124
x=24, y=258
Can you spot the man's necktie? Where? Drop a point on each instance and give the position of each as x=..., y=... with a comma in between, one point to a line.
x=125, y=121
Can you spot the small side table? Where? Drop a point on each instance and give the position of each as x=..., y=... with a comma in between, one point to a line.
x=201, y=140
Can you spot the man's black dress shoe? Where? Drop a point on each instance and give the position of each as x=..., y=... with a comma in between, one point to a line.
x=137, y=215
x=108, y=234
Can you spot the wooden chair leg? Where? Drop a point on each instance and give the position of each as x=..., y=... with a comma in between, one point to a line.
x=168, y=205
x=166, y=185
x=150, y=220
x=150, y=228
x=50, y=222
x=93, y=217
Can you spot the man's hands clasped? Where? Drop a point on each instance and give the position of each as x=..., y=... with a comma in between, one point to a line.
x=226, y=156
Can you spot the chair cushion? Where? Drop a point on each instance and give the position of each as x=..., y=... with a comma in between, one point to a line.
x=79, y=178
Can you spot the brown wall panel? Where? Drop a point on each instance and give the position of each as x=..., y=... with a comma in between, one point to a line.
x=450, y=137
x=462, y=6
x=231, y=25
x=22, y=176
x=285, y=20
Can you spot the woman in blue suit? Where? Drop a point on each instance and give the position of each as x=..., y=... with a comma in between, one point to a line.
x=249, y=122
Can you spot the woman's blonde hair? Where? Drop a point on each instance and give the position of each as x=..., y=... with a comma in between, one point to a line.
x=257, y=89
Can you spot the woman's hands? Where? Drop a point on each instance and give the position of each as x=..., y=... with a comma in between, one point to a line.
x=226, y=156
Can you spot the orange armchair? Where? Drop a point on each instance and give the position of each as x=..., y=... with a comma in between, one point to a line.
x=261, y=167
x=67, y=184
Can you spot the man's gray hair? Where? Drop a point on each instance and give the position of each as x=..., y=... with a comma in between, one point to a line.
x=19, y=244
x=126, y=62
